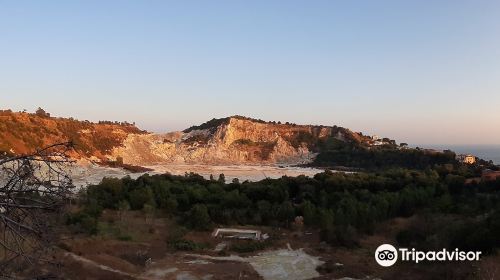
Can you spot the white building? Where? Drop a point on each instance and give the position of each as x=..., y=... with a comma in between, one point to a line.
x=237, y=233
x=467, y=159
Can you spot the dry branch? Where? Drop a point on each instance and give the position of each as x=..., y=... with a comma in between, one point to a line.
x=34, y=190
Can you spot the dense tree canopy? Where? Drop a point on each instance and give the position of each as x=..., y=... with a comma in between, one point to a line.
x=333, y=152
x=342, y=205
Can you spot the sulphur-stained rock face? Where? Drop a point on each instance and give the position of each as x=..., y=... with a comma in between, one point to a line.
x=234, y=140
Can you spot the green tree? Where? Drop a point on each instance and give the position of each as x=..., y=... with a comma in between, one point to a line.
x=141, y=196
x=309, y=213
x=149, y=214
x=108, y=193
x=286, y=213
x=198, y=217
x=222, y=178
x=264, y=210
x=41, y=113
x=170, y=205
x=326, y=220
x=123, y=207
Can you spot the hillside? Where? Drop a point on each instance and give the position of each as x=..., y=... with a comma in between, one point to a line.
x=230, y=140
x=22, y=133
x=233, y=140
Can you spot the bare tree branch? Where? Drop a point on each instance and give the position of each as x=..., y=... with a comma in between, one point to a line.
x=34, y=190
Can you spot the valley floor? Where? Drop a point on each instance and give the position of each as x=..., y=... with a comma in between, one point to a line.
x=294, y=254
x=85, y=174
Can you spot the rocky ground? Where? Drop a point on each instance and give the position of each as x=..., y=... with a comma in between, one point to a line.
x=296, y=253
x=87, y=173
x=146, y=255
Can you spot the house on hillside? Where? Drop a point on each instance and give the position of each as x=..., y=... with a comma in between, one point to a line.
x=467, y=159
x=490, y=175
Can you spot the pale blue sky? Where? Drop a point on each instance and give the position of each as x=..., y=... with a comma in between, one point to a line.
x=417, y=71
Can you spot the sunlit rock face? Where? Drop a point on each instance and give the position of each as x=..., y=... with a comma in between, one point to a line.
x=24, y=133
x=234, y=140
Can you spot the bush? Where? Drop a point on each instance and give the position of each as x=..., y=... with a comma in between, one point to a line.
x=176, y=233
x=124, y=237
x=141, y=196
x=198, y=217
x=186, y=245
x=82, y=222
x=249, y=246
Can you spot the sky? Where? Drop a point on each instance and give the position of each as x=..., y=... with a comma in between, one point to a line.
x=421, y=72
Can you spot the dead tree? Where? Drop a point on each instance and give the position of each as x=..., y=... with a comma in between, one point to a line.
x=34, y=190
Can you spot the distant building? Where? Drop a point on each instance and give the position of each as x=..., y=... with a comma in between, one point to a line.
x=236, y=233
x=467, y=159
x=377, y=143
x=489, y=175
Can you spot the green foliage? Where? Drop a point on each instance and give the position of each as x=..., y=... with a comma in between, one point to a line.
x=286, y=213
x=186, y=245
x=303, y=137
x=139, y=197
x=41, y=113
x=176, y=232
x=123, y=205
x=262, y=149
x=222, y=178
x=343, y=206
x=124, y=237
x=334, y=152
x=198, y=138
x=198, y=217
x=478, y=235
x=211, y=124
x=108, y=193
x=310, y=213
x=148, y=209
x=249, y=246
x=82, y=222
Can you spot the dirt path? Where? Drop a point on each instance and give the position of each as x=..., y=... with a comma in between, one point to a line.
x=103, y=267
x=277, y=264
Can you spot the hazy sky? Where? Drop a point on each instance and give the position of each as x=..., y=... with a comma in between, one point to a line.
x=417, y=71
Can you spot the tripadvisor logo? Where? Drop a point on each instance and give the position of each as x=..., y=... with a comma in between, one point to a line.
x=387, y=255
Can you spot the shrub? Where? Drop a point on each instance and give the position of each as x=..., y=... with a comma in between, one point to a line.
x=249, y=246
x=176, y=233
x=198, y=217
x=82, y=222
x=186, y=245
x=124, y=237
